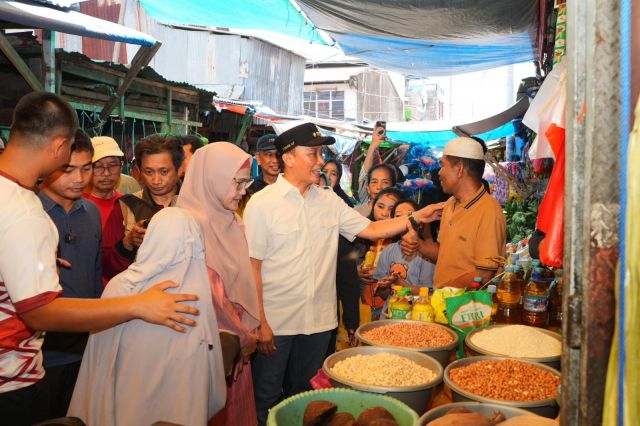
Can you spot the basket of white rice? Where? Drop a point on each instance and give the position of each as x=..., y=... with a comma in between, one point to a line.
x=403, y=374
x=516, y=341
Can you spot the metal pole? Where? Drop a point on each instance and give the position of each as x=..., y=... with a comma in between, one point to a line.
x=591, y=205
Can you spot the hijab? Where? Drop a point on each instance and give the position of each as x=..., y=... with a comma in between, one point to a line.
x=137, y=364
x=210, y=174
x=337, y=188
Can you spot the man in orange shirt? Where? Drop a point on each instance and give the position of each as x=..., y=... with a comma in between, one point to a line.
x=472, y=237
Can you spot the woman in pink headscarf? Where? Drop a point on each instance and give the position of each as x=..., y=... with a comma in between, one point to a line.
x=215, y=182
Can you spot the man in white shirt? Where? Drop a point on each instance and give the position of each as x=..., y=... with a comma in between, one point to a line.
x=292, y=231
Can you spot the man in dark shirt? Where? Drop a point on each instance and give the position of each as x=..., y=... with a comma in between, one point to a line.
x=267, y=158
x=270, y=167
x=160, y=159
x=79, y=226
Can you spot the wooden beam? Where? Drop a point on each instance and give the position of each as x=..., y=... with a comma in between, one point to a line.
x=100, y=73
x=21, y=66
x=49, y=59
x=131, y=113
x=79, y=67
x=142, y=58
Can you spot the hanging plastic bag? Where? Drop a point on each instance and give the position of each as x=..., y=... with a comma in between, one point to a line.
x=438, y=302
x=468, y=312
x=546, y=108
x=551, y=211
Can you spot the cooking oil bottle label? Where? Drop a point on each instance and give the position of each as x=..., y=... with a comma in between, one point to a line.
x=534, y=303
x=400, y=313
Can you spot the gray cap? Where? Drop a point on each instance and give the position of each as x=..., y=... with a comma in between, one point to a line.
x=266, y=143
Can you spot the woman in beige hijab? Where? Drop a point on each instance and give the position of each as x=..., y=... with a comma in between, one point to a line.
x=139, y=373
x=215, y=182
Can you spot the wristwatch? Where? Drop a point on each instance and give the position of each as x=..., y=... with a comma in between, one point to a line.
x=414, y=223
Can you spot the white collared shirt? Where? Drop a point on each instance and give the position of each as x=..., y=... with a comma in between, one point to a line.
x=296, y=238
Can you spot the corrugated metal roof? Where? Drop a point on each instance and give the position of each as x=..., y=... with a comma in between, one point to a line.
x=102, y=49
x=274, y=75
x=232, y=65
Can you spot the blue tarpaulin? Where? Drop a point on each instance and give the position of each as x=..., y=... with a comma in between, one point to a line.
x=437, y=57
x=279, y=16
x=430, y=37
x=439, y=139
x=418, y=37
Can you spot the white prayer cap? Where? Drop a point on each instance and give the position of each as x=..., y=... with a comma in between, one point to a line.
x=464, y=148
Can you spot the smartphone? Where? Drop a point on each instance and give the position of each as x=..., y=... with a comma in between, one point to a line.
x=145, y=223
x=381, y=124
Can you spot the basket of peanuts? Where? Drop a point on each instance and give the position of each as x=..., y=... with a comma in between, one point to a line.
x=531, y=386
x=435, y=340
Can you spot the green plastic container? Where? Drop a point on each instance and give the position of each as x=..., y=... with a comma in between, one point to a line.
x=290, y=411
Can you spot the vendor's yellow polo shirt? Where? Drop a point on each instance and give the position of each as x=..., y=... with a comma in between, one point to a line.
x=472, y=235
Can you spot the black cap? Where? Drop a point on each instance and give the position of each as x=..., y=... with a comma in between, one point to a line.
x=306, y=134
x=266, y=142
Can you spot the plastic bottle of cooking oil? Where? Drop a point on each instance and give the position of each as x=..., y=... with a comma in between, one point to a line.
x=535, y=263
x=394, y=295
x=401, y=309
x=395, y=289
x=518, y=270
x=369, y=258
x=535, y=300
x=555, y=303
x=492, y=289
x=508, y=294
x=422, y=309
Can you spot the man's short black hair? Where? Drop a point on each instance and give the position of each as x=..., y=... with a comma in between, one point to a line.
x=156, y=144
x=194, y=142
x=475, y=168
x=389, y=168
x=41, y=116
x=82, y=143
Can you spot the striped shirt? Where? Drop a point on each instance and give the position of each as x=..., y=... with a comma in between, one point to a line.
x=28, y=280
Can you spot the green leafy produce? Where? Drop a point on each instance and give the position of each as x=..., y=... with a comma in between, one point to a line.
x=521, y=218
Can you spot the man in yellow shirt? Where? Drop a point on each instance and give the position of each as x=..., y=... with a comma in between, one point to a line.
x=472, y=238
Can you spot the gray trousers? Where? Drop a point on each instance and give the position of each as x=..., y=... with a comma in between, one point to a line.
x=288, y=370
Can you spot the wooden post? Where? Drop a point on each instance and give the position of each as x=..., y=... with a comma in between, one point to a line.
x=169, y=107
x=49, y=59
x=122, y=112
x=142, y=58
x=591, y=205
x=21, y=66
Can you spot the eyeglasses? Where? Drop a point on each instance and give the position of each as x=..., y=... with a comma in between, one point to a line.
x=99, y=169
x=242, y=183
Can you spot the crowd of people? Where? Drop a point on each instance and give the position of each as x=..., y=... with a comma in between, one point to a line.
x=193, y=292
